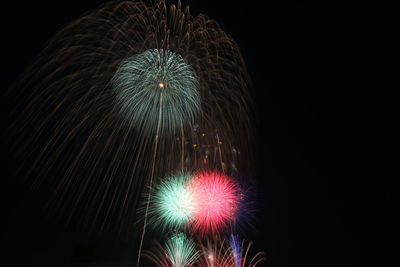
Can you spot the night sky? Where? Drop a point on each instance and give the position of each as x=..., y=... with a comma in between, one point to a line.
x=325, y=80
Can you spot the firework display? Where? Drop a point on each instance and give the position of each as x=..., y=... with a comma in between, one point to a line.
x=126, y=95
x=136, y=100
x=204, y=202
x=178, y=250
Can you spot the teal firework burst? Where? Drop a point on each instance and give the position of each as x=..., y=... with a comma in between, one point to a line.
x=172, y=204
x=157, y=87
x=178, y=251
x=181, y=251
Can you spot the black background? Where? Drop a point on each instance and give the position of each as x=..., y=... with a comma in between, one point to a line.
x=325, y=79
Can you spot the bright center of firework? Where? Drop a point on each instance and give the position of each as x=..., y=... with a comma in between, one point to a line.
x=149, y=110
x=178, y=204
x=216, y=200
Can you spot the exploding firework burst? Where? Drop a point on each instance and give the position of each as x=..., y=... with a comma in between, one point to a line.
x=157, y=82
x=217, y=199
x=173, y=205
x=179, y=251
x=124, y=95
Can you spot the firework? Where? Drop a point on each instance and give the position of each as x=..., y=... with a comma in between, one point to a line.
x=179, y=251
x=126, y=94
x=157, y=82
x=216, y=201
x=215, y=254
x=236, y=250
x=172, y=204
x=205, y=202
x=229, y=254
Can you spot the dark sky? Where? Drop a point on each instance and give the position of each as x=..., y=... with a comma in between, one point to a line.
x=326, y=87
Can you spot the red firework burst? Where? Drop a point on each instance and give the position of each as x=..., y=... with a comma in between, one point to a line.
x=217, y=200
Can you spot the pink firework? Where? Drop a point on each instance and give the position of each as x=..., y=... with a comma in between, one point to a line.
x=217, y=200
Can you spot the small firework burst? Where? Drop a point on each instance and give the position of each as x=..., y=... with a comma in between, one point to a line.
x=179, y=251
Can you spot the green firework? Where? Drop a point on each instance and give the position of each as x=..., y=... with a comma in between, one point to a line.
x=156, y=87
x=172, y=204
x=181, y=251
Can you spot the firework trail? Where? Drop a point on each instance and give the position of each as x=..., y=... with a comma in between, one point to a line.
x=229, y=254
x=215, y=254
x=236, y=250
x=122, y=96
